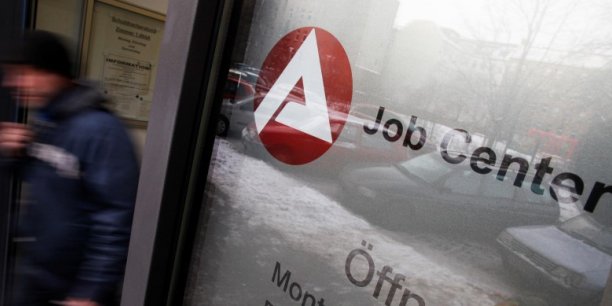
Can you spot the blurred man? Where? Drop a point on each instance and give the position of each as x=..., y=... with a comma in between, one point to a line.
x=82, y=176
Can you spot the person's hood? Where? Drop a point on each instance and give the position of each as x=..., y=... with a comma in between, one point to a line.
x=79, y=97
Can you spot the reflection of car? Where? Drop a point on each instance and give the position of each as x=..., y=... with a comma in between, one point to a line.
x=237, y=105
x=572, y=258
x=429, y=191
x=351, y=146
x=251, y=74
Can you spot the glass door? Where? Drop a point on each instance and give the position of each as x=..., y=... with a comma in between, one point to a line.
x=404, y=153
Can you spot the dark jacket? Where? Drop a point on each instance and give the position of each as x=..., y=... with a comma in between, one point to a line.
x=82, y=177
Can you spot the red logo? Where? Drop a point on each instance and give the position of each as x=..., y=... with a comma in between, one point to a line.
x=304, y=95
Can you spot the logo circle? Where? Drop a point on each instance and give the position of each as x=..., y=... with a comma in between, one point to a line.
x=303, y=95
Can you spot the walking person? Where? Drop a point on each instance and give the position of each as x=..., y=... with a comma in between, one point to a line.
x=81, y=174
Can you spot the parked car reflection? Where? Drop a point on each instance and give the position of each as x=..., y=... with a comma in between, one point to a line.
x=573, y=258
x=242, y=89
x=250, y=73
x=352, y=145
x=237, y=105
x=426, y=190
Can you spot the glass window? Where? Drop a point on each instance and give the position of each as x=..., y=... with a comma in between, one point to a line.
x=428, y=168
x=590, y=231
x=493, y=188
x=461, y=104
x=463, y=183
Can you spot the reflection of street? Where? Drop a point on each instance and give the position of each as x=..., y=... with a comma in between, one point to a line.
x=237, y=264
x=267, y=216
x=464, y=255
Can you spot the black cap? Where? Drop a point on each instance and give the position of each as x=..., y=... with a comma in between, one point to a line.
x=43, y=50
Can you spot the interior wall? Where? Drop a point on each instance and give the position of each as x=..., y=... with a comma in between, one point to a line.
x=160, y=6
x=70, y=12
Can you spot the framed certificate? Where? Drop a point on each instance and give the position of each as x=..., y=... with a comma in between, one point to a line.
x=120, y=51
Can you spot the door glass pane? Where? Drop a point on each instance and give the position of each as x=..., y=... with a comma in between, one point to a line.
x=478, y=173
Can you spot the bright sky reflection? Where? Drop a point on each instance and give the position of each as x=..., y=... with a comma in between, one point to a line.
x=566, y=24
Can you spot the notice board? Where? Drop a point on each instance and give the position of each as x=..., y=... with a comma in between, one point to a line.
x=120, y=51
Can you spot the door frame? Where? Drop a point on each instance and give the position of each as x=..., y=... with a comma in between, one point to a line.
x=15, y=17
x=180, y=137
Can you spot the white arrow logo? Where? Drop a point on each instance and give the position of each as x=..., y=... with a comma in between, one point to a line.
x=304, y=65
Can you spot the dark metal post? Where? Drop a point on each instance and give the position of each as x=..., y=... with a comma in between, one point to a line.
x=15, y=16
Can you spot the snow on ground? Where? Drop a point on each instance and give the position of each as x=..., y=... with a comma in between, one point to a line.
x=309, y=221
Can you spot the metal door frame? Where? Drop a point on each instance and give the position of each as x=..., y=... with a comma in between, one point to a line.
x=15, y=17
x=178, y=148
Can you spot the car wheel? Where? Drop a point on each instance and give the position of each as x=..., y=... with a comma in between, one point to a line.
x=222, y=127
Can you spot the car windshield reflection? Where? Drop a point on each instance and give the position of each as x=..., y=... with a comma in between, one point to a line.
x=426, y=168
x=585, y=228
